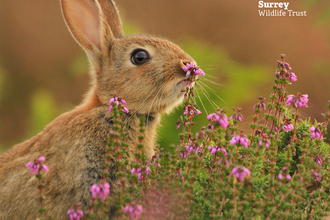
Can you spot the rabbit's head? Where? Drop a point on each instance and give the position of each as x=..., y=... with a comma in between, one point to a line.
x=145, y=71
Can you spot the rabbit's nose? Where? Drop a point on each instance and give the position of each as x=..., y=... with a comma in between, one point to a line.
x=184, y=63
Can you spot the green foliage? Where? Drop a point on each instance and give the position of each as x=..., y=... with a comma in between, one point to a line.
x=44, y=110
x=289, y=168
x=79, y=65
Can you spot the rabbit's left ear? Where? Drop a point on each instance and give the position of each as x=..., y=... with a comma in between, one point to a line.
x=94, y=24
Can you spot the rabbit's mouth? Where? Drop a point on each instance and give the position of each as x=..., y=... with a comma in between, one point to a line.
x=186, y=82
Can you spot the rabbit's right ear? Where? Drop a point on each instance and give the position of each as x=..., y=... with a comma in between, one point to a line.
x=93, y=23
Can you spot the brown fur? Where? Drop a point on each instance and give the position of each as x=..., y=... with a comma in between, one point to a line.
x=74, y=144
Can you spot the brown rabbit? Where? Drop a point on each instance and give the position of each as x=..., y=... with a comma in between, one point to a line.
x=139, y=69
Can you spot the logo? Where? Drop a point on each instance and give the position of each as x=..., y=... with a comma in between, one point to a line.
x=278, y=9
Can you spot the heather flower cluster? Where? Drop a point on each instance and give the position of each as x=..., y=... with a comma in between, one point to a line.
x=284, y=69
x=278, y=171
x=100, y=190
x=284, y=172
x=192, y=70
x=118, y=102
x=240, y=139
x=316, y=133
x=75, y=213
x=287, y=125
x=139, y=172
x=240, y=173
x=191, y=110
x=237, y=116
x=219, y=117
x=36, y=166
x=297, y=101
x=133, y=210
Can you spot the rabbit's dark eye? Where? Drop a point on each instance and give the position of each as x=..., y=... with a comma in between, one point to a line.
x=139, y=57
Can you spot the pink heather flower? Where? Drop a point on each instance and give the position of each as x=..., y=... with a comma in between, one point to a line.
x=134, y=210
x=318, y=160
x=35, y=165
x=178, y=123
x=240, y=173
x=299, y=101
x=287, y=176
x=117, y=102
x=240, y=139
x=303, y=100
x=287, y=124
x=41, y=159
x=192, y=70
x=123, y=101
x=178, y=174
x=267, y=142
x=199, y=149
x=125, y=110
x=237, y=116
x=287, y=128
x=95, y=190
x=139, y=172
x=219, y=117
x=213, y=117
x=261, y=104
x=191, y=110
x=193, y=148
x=264, y=139
x=316, y=133
x=183, y=155
x=286, y=65
x=225, y=161
x=290, y=100
x=101, y=190
x=114, y=100
x=214, y=149
x=317, y=176
x=44, y=167
x=292, y=77
x=75, y=213
x=190, y=148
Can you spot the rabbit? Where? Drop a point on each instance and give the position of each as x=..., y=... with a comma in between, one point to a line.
x=138, y=69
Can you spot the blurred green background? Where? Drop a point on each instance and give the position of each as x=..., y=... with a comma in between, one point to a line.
x=43, y=71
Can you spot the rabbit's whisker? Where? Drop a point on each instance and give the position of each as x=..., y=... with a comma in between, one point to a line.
x=210, y=76
x=214, y=92
x=218, y=84
x=207, y=95
x=199, y=97
x=137, y=108
x=153, y=103
x=161, y=97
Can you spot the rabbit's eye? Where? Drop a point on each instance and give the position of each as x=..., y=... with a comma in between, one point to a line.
x=139, y=57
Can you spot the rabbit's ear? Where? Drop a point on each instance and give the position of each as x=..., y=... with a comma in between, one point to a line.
x=91, y=23
x=112, y=16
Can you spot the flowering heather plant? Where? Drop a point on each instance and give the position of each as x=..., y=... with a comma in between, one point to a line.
x=279, y=171
x=36, y=167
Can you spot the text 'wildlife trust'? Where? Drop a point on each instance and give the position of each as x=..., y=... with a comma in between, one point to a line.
x=278, y=9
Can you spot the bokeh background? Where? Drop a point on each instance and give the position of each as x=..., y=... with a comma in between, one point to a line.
x=43, y=71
